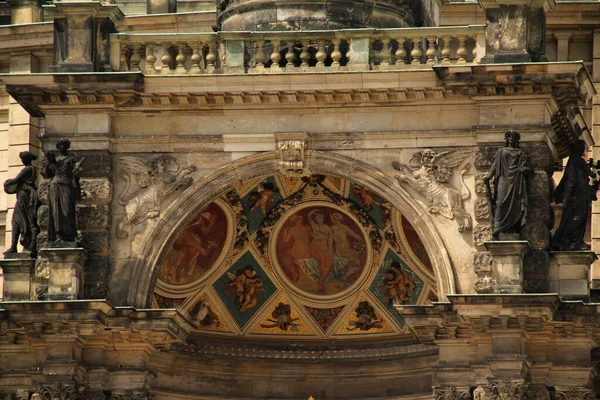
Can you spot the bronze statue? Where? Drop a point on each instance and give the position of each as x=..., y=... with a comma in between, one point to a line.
x=576, y=194
x=24, y=220
x=63, y=192
x=512, y=175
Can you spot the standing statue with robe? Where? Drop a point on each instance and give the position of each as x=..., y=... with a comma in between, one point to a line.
x=576, y=194
x=509, y=201
x=63, y=192
x=24, y=220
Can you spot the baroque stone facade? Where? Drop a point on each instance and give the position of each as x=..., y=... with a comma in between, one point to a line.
x=277, y=203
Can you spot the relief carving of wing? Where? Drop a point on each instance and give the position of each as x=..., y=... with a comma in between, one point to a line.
x=446, y=161
x=139, y=167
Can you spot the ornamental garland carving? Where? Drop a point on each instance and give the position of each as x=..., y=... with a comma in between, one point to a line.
x=155, y=179
x=428, y=173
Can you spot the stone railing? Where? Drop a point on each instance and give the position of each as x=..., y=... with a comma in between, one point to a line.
x=307, y=51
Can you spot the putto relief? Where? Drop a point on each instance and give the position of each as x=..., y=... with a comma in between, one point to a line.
x=155, y=179
x=428, y=173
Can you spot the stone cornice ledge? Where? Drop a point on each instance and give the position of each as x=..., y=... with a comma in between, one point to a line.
x=89, y=317
x=569, y=84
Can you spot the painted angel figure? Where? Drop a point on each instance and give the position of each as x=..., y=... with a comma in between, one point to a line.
x=429, y=173
x=157, y=179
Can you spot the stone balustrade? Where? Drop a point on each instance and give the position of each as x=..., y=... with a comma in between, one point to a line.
x=309, y=51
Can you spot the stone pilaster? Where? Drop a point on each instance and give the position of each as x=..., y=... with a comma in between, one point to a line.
x=17, y=271
x=161, y=6
x=516, y=30
x=25, y=11
x=77, y=46
x=66, y=272
x=507, y=265
x=570, y=273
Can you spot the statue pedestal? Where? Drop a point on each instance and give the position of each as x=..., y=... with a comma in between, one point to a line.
x=569, y=274
x=66, y=272
x=17, y=270
x=507, y=265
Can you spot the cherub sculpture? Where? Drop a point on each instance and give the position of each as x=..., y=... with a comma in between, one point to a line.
x=429, y=173
x=157, y=179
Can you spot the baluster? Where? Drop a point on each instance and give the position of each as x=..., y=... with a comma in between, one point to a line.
x=400, y=52
x=211, y=57
x=416, y=52
x=260, y=55
x=135, y=59
x=180, y=59
x=196, y=58
x=336, y=55
x=446, y=49
x=305, y=55
x=431, y=50
x=475, y=52
x=166, y=59
x=275, y=56
x=290, y=57
x=385, y=52
x=122, y=57
x=321, y=54
x=150, y=59
x=462, y=50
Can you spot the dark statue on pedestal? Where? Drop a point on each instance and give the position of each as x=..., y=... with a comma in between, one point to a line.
x=576, y=194
x=24, y=220
x=509, y=200
x=63, y=192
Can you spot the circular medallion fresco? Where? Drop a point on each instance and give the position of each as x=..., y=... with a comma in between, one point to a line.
x=201, y=245
x=320, y=250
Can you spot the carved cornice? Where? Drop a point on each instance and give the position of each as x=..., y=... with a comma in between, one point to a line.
x=38, y=101
x=568, y=84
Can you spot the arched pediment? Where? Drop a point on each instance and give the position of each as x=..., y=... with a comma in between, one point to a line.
x=248, y=219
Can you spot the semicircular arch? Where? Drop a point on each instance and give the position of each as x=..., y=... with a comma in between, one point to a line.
x=203, y=192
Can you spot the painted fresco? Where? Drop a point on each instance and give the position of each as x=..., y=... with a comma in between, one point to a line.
x=319, y=242
x=370, y=202
x=416, y=244
x=260, y=201
x=244, y=288
x=324, y=317
x=396, y=283
x=196, y=248
x=321, y=250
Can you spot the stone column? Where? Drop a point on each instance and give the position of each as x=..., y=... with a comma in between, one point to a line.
x=66, y=272
x=516, y=30
x=17, y=276
x=77, y=48
x=507, y=265
x=570, y=273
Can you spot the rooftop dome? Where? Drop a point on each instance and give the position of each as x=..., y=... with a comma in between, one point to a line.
x=274, y=15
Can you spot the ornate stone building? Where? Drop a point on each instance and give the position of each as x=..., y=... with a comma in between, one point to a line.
x=286, y=199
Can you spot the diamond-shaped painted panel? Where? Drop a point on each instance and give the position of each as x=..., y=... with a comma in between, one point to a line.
x=396, y=283
x=244, y=288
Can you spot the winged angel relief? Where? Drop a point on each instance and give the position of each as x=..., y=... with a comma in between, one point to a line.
x=157, y=178
x=429, y=173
